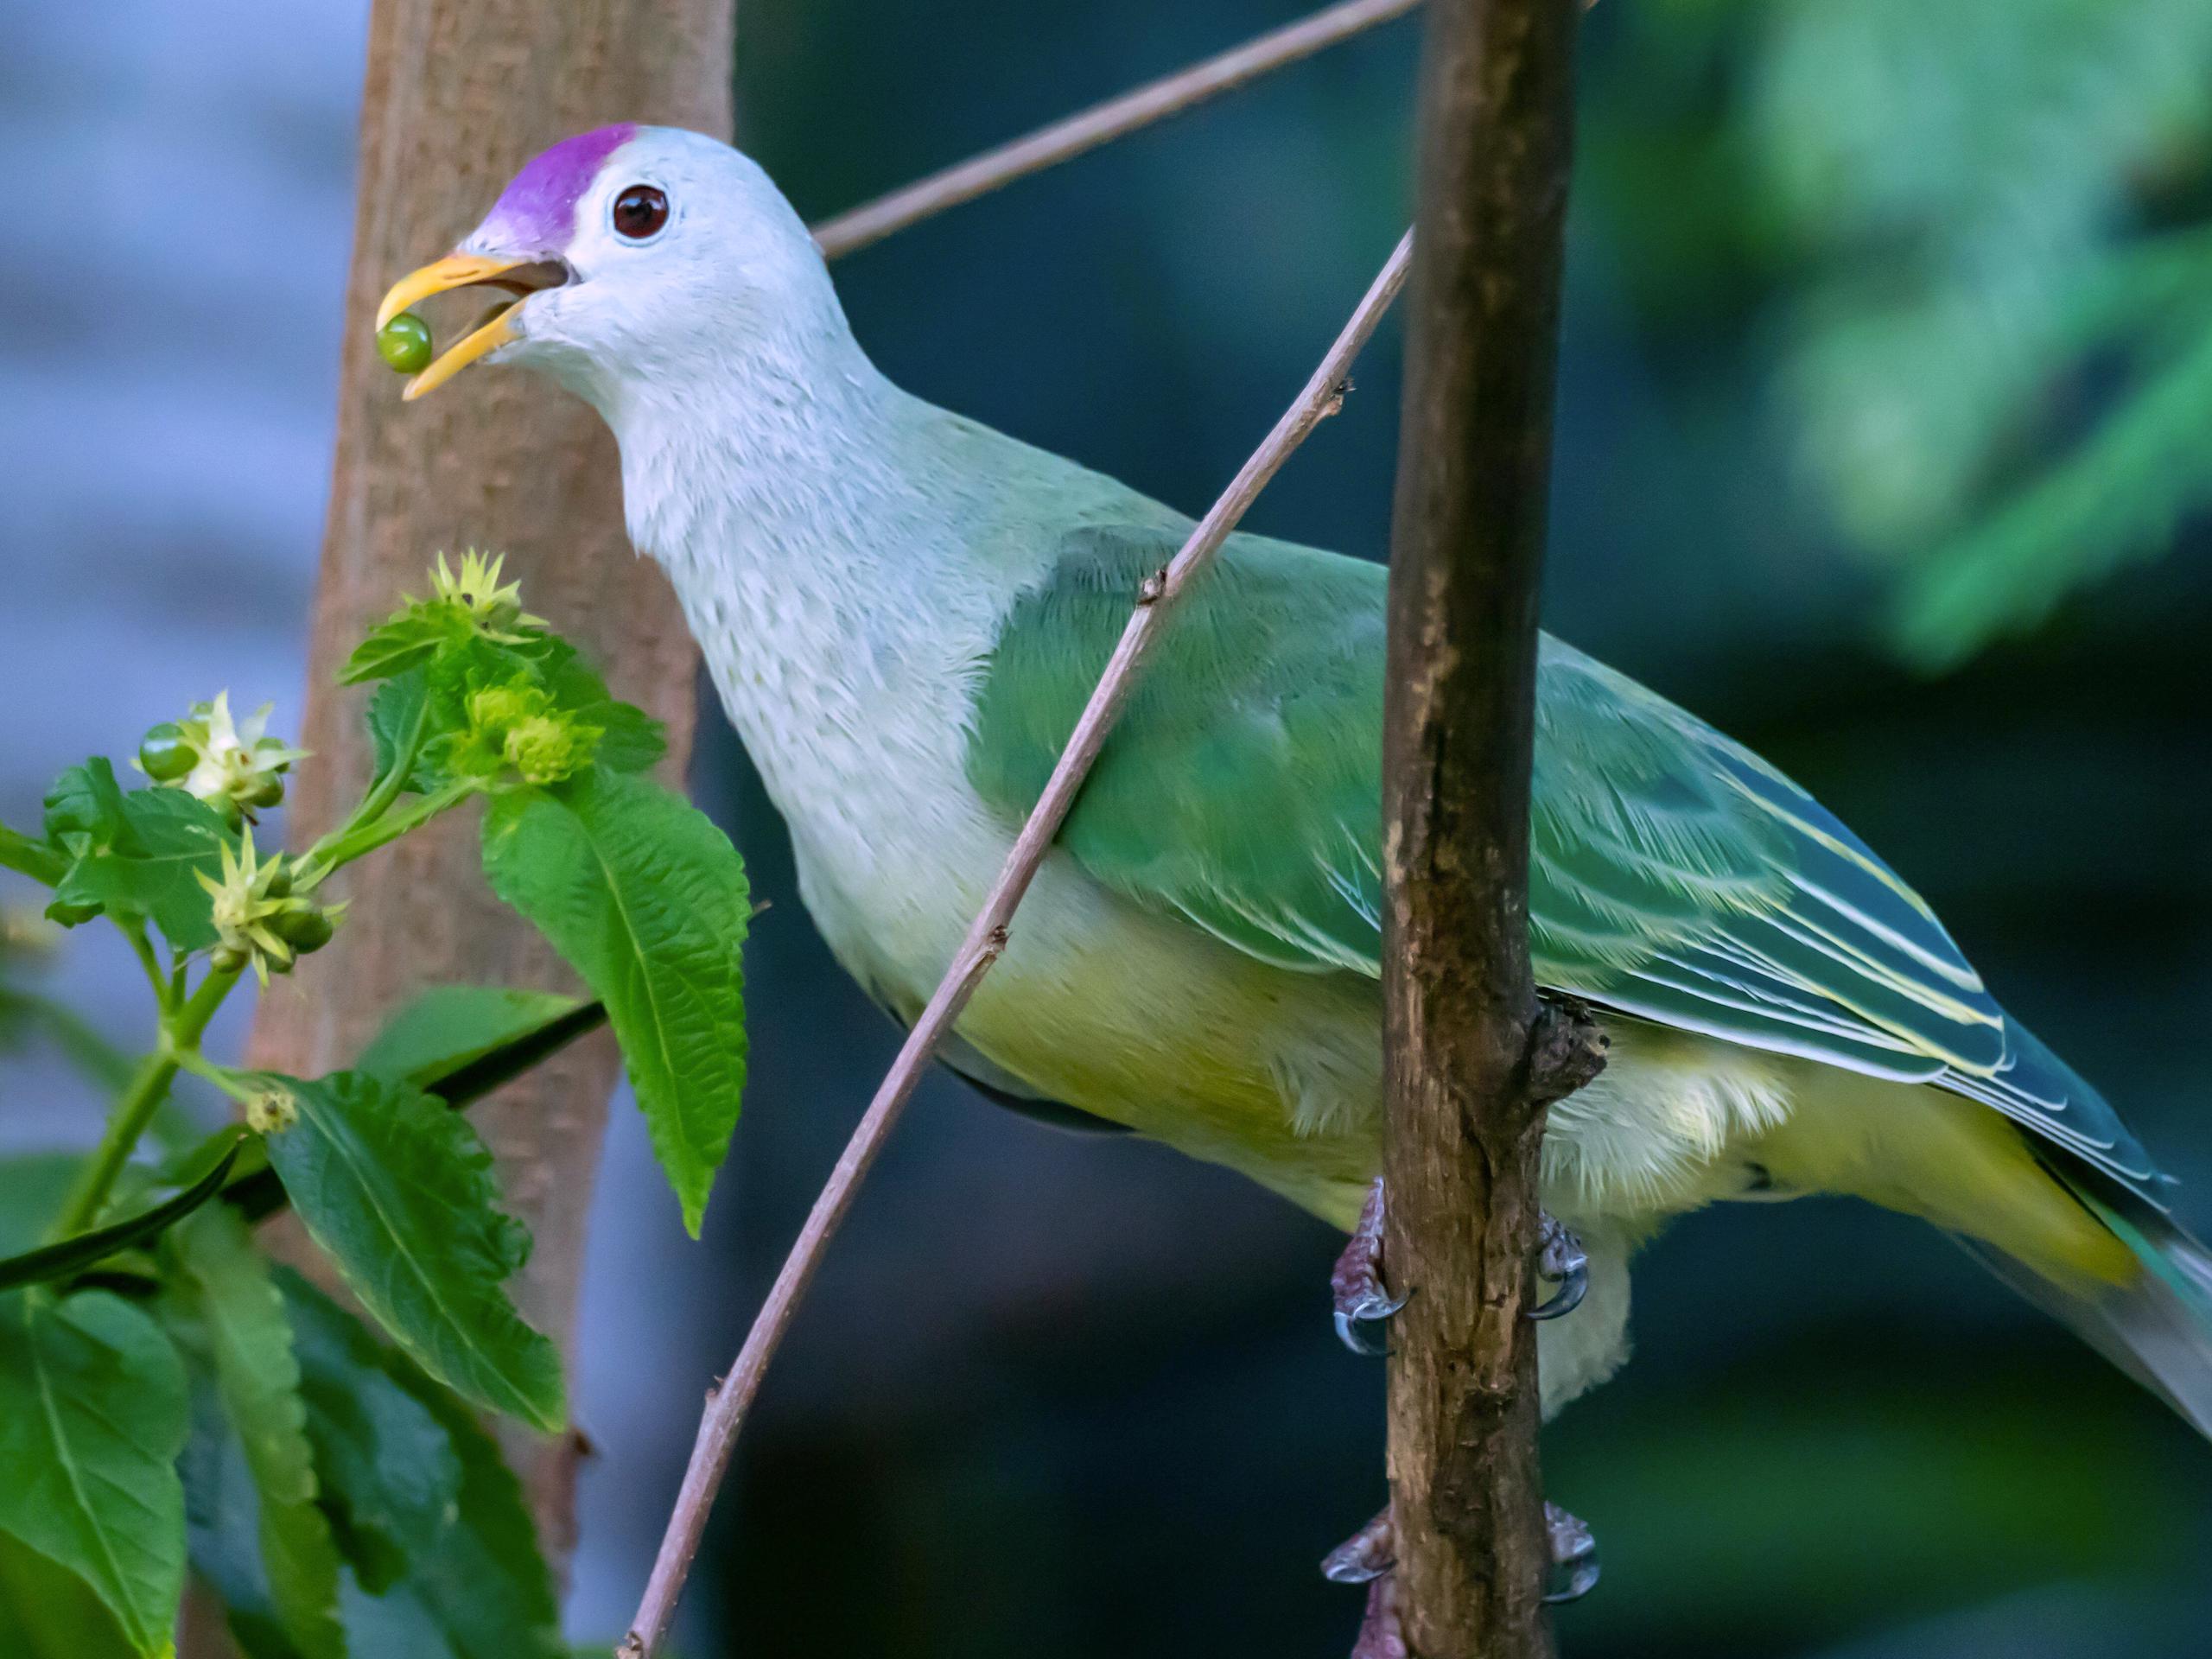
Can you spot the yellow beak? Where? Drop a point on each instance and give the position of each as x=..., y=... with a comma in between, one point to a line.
x=454, y=270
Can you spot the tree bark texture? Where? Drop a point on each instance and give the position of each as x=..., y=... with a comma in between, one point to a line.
x=459, y=94
x=1471, y=1057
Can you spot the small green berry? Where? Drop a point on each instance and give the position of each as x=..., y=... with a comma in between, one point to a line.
x=306, y=930
x=265, y=791
x=163, y=754
x=404, y=343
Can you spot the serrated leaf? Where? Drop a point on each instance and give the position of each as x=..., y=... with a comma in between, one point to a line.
x=49, y=1612
x=448, y=1029
x=92, y=1415
x=398, y=1191
x=152, y=868
x=391, y=1478
x=71, y=1255
x=648, y=900
x=222, y=1512
x=401, y=642
x=631, y=740
x=471, y=1569
x=223, y=1285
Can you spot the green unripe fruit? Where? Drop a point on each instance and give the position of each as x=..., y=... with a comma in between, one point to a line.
x=266, y=790
x=71, y=915
x=404, y=343
x=227, y=958
x=164, y=756
x=306, y=930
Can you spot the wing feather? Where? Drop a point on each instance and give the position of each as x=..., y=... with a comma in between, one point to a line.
x=1674, y=876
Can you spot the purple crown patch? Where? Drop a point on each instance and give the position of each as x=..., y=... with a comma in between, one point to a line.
x=536, y=213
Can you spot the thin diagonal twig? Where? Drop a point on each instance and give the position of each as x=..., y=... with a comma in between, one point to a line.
x=1088, y=129
x=986, y=938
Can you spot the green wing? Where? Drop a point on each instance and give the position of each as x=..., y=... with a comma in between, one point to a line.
x=1674, y=875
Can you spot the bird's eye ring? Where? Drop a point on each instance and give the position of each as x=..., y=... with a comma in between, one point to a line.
x=640, y=213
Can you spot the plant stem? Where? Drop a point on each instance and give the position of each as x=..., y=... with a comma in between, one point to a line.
x=148, y=1087
x=134, y=929
x=379, y=799
x=357, y=841
x=18, y=852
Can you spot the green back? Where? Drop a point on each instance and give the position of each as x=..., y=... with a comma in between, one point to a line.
x=1674, y=874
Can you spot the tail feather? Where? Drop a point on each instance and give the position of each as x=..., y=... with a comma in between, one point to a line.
x=2156, y=1324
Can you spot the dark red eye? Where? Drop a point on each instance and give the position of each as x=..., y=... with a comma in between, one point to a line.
x=639, y=211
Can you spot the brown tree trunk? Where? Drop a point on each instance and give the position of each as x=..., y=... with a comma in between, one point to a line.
x=1472, y=1058
x=459, y=94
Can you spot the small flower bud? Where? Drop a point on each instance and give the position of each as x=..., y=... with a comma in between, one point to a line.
x=272, y=1111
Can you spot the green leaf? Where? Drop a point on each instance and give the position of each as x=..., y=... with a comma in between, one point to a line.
x=151, y=869
x=33, y=1188
x=401, y=642
x=224, y=1287
x=49, y=1612
x=222, y=1513
x=86, y=805
x=76, y=1255
x=398, y=705
x=18, y=852
x=92, y=1415
x=398, y=1191
x=405, y=1461
x=632, y=739
x=646, y=899
x=391, y=1475
x=452, y=1029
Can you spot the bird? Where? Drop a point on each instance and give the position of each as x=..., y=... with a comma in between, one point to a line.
x=904, y=611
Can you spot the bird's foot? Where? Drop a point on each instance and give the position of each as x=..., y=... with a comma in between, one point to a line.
x=1366, y=1558
x=1560, y=1258
x=1357, y=1285
x=1574, y=1556
x=1381, y=1635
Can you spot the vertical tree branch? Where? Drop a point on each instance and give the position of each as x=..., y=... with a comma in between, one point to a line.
x=1464, y=1071
x=459, y=94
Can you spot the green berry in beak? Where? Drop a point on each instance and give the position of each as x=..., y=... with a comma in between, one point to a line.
x=404, y=343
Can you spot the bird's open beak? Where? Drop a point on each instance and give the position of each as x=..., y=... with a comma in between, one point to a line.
x=520, y=278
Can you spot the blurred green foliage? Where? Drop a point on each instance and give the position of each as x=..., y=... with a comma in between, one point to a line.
x=1964, y=241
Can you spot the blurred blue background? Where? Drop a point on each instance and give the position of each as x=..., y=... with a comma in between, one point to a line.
x=1886, y=405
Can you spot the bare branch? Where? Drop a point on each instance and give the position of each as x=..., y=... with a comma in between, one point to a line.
x=1469, y=1063
x=1088, y=129
x=987, y=937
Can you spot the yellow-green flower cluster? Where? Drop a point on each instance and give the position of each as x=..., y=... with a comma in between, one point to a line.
x=260, y=922
x=517, y=725
x=493, y=611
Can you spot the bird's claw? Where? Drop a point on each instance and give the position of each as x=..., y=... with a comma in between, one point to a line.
x=1365, y=1556
x=1357, y=1286
x=1561, y=1258
x=1575, y=1557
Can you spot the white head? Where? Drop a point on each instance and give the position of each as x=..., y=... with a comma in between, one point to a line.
x=645, y=262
